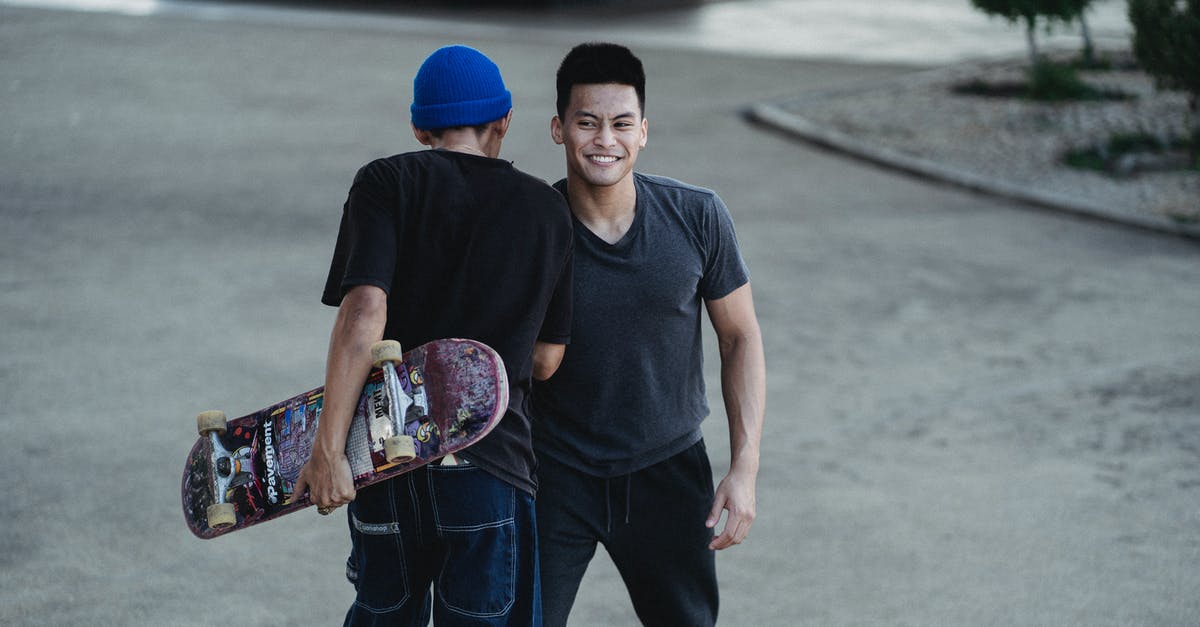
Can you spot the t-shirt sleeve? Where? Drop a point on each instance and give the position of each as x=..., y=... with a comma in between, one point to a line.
x=556, y=328
x=724, y=268
x=366, y=249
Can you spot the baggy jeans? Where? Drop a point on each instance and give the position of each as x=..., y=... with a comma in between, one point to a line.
x=451, y=542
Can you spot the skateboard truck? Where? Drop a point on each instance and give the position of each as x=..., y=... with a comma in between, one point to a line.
x=213, y=424
x=400, y=447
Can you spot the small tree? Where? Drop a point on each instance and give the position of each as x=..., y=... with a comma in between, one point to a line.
x=1166, y=42
x=1029, y=11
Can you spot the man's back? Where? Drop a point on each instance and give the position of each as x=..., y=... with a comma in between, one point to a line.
x=465, y=246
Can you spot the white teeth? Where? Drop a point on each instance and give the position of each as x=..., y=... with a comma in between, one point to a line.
x=603, y=159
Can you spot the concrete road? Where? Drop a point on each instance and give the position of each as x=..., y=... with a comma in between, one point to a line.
x=978, y=413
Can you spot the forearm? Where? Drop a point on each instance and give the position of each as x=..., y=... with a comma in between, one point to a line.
x=743, y=387
x=360, y=322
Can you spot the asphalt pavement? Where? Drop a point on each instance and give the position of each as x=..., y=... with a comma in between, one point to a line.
x=979, y=413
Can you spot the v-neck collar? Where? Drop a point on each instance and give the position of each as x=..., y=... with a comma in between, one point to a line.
x=631, y=233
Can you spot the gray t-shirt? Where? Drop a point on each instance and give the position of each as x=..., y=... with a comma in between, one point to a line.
x=630, y=390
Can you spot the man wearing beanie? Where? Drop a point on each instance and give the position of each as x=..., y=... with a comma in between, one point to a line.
x=618, y=428
x=448, y=242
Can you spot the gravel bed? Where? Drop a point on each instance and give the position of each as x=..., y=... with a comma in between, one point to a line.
x=1015, y=140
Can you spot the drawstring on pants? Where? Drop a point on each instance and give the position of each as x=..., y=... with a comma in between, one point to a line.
x=628, y=506
x=608, y=501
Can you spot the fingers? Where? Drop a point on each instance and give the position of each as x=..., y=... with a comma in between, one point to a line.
x=332, y=496
x=735, y=497
x=738, y=520
x=342, y=497
x=725, y=540
x=714, y=514
x=737, y=528
x=325, y=488
x=714, y=517
x=301, y=486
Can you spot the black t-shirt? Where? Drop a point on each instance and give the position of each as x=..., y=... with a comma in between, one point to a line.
x=469, y=247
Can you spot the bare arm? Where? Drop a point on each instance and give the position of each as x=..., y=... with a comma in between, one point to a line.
x=743, y=387
x=360, y=321
x=546, y=359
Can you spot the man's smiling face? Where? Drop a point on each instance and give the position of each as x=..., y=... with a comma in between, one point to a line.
x=602, y=130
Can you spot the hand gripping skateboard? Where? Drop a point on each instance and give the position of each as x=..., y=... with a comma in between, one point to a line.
x=416, y=407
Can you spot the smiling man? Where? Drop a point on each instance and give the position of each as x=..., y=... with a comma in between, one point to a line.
x=617, y=428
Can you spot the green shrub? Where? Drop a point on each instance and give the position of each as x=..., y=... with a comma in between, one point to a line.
x=1107, y=156
x=1057, y=81
x=1046, y=81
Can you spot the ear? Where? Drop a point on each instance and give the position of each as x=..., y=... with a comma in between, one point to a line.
x=645, y=130
x=502, y=125
x=556, y=130
x=423, y=136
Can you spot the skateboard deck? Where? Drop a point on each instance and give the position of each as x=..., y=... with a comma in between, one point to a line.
x=440, y=398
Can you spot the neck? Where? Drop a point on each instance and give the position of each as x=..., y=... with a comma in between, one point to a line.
x=601, y=201
x=606, y=211
x=466, y=148
x=466, y=141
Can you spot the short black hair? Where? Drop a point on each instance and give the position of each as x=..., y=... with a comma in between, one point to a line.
x=479, y=129
x=597, y=64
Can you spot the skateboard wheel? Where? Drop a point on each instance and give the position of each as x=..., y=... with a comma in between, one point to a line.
x=211, y=422
x=221, y=515
x=399, y=449
x=384, y=351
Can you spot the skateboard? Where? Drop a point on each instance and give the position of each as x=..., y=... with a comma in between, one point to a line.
x=416, y=407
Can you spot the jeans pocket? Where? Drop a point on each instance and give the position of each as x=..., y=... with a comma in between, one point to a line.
x=475, y=517
x=377, y=557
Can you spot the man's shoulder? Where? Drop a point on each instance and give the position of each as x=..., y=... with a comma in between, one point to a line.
x=422, y=163
x=400, y=158
x=536, y=184
x=535, y=192
x=665, y=186
x=392, y=165
x=669, y=185
x=679, y=197
x=424, y=158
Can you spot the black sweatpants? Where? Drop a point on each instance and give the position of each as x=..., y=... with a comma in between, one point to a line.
x=651, y=523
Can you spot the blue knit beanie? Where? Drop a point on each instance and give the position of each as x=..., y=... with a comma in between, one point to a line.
x=458, y=86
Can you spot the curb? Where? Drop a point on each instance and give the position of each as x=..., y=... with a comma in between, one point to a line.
x=793, y=125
